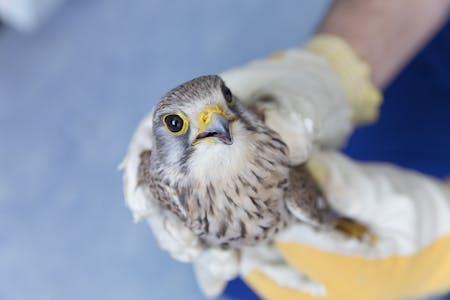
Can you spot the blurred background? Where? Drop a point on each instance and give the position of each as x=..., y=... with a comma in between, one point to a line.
x=75, y=79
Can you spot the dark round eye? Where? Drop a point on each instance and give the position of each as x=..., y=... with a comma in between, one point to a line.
x=227, y=94
x=174, y=123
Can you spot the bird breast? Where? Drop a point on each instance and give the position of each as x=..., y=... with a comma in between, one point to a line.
x=243, y=208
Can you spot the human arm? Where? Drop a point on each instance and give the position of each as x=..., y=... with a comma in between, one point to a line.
x=386, y=34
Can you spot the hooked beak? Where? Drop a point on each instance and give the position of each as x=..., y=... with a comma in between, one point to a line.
x=214, y=125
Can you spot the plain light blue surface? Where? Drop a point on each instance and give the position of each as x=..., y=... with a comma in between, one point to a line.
x=71, y=94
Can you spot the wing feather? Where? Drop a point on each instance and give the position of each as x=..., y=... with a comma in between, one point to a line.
x=138, y=200
x=169, y=231
x=306, y=201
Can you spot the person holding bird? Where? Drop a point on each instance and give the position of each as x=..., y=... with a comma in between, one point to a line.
x=239, y=173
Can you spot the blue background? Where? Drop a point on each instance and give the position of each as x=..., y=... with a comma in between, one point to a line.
x=71, y=95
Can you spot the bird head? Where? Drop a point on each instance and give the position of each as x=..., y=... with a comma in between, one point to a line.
x=202, y=110
x=202, y=120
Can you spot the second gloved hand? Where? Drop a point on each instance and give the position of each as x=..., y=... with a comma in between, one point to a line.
x=310, y=97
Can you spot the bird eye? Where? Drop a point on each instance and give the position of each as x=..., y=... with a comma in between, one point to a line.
x=227, y=94
x=176, y=123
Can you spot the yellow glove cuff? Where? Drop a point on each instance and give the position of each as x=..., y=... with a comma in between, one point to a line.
x=353, y=73
x=354, y=277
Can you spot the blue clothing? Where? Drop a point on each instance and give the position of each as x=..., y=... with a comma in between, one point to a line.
x=414, y=125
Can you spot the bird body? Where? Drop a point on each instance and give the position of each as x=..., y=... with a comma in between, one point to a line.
x=218, y=168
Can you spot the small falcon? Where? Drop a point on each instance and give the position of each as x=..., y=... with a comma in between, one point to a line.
x=224, y=174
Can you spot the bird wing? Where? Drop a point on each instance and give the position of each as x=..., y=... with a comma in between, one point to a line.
x=170, y=232
x=144, y=194
x=305, y=199
x=138, y=200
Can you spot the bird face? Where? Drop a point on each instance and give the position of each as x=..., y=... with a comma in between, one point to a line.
x=203, y=114
x=201, y=120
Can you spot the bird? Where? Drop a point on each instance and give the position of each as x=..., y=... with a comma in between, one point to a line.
x=217, y=167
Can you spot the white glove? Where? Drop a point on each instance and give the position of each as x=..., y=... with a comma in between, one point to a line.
x=301, y=97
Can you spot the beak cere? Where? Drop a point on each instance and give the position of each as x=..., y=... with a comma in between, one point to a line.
x=214, y=126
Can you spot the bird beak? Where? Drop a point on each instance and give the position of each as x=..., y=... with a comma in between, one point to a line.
x=214, y=126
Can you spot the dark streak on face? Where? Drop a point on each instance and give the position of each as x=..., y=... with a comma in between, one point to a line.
x=187, y=153
x=243, y=229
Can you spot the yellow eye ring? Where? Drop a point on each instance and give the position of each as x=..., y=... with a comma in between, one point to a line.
x=176, y=123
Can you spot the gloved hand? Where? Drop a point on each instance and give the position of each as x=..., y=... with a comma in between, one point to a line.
x=408, y=212
x=311, y=98
x=307, y=98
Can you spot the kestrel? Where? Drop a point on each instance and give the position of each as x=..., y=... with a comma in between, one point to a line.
x=218, y=168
